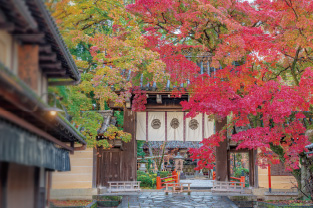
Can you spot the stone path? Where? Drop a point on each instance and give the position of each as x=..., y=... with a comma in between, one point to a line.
x=199, y=183
x=182, y=200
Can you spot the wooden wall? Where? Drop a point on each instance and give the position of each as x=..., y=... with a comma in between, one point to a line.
x=119, y=164
x=20, y=187
x=28, y=65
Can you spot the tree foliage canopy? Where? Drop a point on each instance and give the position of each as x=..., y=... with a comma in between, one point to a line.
x=268, y=91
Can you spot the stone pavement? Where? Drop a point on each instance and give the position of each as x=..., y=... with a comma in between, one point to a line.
x=182, y=200
x=199, y=183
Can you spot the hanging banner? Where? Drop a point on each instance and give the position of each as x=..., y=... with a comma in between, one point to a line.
x=171, y=126
x=156, y=126
x=194, y=127
x=175, y=126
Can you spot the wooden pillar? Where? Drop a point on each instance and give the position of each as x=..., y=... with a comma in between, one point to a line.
x=221, y=164
x=253, y=168
x=129, y=154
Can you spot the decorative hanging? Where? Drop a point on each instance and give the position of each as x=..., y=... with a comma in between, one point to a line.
x=171, y=126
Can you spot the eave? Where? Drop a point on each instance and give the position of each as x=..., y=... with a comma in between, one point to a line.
x=17, y=98
x=29, y=22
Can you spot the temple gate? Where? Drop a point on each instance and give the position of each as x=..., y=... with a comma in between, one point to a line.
x=163, y=121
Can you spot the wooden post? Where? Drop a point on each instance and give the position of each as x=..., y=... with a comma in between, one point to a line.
x=158, y=182
x=269, y=179
x=221, y=154
x=242, y=179
x=175, y=176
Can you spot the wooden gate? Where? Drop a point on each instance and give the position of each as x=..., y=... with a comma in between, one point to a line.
x=119, y=164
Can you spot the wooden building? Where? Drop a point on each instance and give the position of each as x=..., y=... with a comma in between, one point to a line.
x=161, y=101
x=122, y=163
x=33, y=142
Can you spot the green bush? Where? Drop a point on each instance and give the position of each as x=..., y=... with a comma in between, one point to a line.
x=164, y=174
x=148, y=180
x=238, y=172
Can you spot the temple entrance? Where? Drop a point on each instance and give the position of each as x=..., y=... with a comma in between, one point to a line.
x=242, y=163
x=239, y=167
x=175, y=156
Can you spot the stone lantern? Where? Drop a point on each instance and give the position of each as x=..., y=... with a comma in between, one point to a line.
x=179, y=161
x=143, y=165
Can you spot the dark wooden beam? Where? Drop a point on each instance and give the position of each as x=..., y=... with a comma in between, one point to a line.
x=165, y=109
x=158, y=106
x=2, y=17
x=30, y=38
x=52, y=73
x=59, y=76
x=9, y=27
x=45, y=49
x=48, y=57
x=13, y=118
x=58, y=83
x=49, y=65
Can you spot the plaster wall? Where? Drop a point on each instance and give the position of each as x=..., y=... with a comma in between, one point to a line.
x=278, y=182
x=80, y=176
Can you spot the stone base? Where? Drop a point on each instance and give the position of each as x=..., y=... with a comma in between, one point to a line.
x=261, y=193
x=67, y=194
x=280, y=195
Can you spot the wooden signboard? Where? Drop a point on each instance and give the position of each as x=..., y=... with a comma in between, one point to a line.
x=279, y=170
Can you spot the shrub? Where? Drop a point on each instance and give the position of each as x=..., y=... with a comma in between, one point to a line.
x=146, y=181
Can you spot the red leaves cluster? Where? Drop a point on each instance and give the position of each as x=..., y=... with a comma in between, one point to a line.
x=139, y=100
x=206, y=153
x=268, y=38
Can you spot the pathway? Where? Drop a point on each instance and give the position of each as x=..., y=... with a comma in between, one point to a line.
x=182, y=200
x=199, y=183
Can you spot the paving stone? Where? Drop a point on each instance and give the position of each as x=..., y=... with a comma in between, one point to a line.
x=182, y=200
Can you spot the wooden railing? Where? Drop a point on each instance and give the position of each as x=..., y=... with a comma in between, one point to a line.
x=120, y=186
x=161, y=181
x=241, y=179
x=227, y=186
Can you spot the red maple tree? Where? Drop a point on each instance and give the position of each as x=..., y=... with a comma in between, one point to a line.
x=268, y=90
